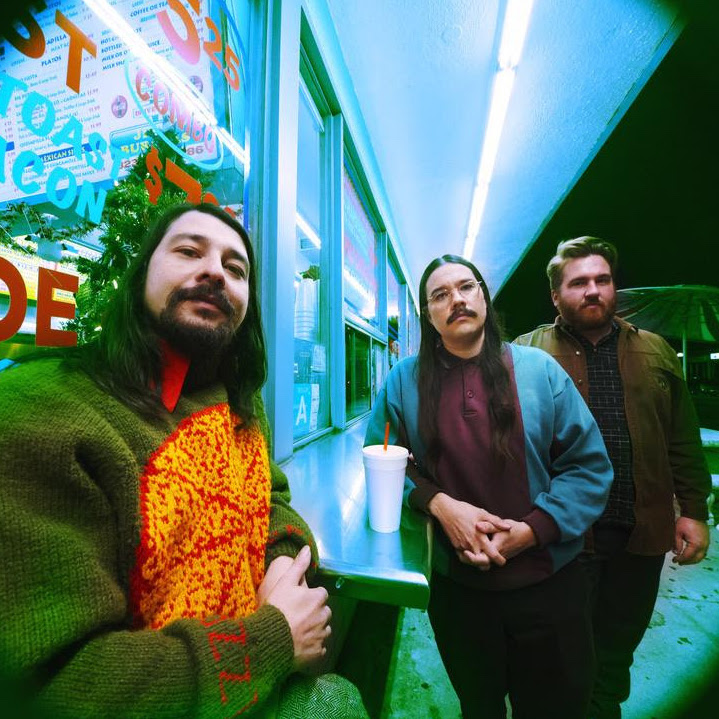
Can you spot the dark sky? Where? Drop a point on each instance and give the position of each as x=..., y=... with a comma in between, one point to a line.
x=653, y=189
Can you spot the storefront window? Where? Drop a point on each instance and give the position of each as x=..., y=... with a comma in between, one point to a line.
x=108, y=104
x=361, y=269
x=311, y=381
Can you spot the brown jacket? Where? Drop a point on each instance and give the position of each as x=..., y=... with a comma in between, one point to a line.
x=667, y=456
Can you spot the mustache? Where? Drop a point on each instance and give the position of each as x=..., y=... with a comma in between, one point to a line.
x=460, y=312
x=205, y=293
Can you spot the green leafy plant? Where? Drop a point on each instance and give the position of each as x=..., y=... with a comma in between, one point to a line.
x=311, y=273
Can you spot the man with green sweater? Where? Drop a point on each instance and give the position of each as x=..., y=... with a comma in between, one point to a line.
x=151, y=564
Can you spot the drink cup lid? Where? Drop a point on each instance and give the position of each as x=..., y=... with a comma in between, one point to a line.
x=393, y=451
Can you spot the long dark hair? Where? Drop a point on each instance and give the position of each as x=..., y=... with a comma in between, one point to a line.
x=494, y=372
x=126, y=358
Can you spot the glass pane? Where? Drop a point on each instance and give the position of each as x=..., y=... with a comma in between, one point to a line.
x=311, y=380
x=309, y=138
x=358, y=374
x=413, y=329
x=361, y=270
x=378, y=369
x=144, y=108
x=146, y=84
x=394, y=316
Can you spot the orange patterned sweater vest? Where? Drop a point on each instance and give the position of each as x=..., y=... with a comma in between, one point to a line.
x=204, y=503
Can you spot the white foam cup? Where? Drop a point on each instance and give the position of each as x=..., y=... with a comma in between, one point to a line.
x=384, y=474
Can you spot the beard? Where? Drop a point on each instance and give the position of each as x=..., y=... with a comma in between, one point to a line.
x=580, y=319
x=194, y=338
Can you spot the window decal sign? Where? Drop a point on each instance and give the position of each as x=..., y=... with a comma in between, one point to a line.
x=89, y=86
x=82, y=82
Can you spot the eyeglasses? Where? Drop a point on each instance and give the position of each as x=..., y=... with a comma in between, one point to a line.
x=441, y=297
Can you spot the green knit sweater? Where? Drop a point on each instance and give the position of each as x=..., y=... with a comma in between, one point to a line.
x=99, y=613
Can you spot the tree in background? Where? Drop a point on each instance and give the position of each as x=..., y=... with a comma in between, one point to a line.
x=29, y=232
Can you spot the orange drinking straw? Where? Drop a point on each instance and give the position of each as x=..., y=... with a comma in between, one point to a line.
x=386, y=436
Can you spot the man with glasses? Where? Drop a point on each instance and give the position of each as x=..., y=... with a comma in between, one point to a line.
x=511, y=465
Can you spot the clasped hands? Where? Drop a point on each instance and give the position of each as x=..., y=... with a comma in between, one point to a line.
x=479, y=538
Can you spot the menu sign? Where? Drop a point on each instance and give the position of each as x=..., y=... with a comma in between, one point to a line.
x=82, y=82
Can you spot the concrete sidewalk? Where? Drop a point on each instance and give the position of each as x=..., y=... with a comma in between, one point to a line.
x=676, y=667
x=675, y=673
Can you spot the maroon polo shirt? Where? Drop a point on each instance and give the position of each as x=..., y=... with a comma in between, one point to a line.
x=468, y=470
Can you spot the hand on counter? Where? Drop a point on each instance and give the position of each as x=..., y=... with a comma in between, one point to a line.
x=305, y=609
x=274, y=572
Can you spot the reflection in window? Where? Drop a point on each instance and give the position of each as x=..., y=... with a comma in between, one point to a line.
x=412, y=329
x=394, y=316
x=152, y=115
x=144, y=86
x=364, y=371
x=361, y=269
x=358, y=372
x=311, y=385
x=378, y=368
